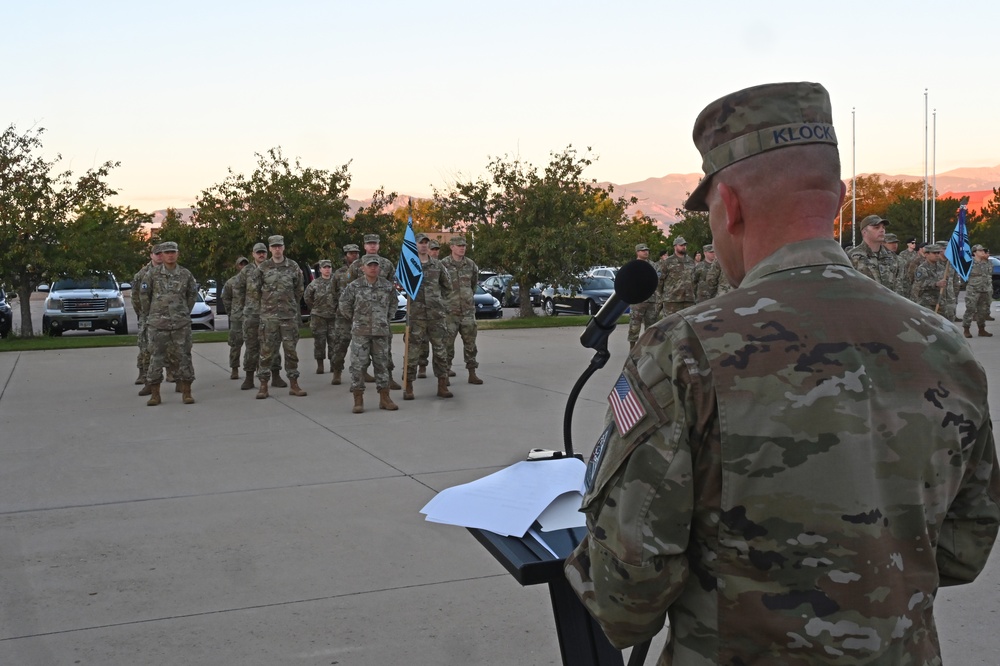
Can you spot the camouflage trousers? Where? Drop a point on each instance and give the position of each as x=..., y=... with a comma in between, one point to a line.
x=435, y=332
x=142, y=342
x=389, y=362
x=277, y=336
x=324, y=336
x=949, y=304
x=425, y=353
x=341, y=343
x=367, y=349
x=467, y=328
x=251, y=337
x=640, y=314
x=977, y=306
x=169, y=348
x=235, y=340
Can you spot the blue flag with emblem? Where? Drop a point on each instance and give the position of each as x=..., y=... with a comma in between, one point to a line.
x=409, y=273
x=958, y=251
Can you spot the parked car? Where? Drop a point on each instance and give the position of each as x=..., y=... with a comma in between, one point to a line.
x=503, y=288
x=603, y=271
x=86, y=303
x=202, y=317
x=585, y=299
x=486, y=274
x=6, y=314
x=487, y=306
x=400, y=314
x=209, y=292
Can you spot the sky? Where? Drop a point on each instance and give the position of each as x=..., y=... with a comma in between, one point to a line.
x=422, y=95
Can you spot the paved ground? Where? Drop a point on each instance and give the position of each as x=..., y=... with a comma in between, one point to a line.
x=286, y=531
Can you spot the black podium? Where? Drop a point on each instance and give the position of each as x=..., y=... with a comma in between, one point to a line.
x=581, y=640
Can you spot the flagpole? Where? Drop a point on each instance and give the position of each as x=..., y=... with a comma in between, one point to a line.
x=934, y=186
x=925, y=165
x=854, y=181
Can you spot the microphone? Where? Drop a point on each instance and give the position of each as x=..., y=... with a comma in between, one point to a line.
x=635, y=282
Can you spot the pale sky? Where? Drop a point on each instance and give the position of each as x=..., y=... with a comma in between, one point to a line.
x=419, y=94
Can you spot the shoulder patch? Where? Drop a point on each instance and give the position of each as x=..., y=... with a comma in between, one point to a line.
x=626, y=408
x=596, y=456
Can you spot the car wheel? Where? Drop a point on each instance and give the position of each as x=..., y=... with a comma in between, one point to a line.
x=550, y=309
x=122, y=328
x=592, y=308
x=996, y=291
x=47, y=328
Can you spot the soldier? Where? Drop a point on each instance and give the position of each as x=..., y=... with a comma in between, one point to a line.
x=784, y=483
x=278, y=280
x=140, y=287
x=715, y=283
x=322, y=298
x=167, y=303
x=425, y=346
x=366, y=303
x=342, y=327
x=906, y=287
x=932, y=279
x=387, y=270
x=978, y=292
x=235, y=310
x=675, y=290
x=701, y=267
x=870, y=258
x=461, y=306
x=426, y=316
x=245, y=291
x=910, y=252
x=641, y=314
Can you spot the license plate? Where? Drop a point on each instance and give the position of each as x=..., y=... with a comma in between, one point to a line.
x=85, y=324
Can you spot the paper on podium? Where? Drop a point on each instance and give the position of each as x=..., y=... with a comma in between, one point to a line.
x=509, y=501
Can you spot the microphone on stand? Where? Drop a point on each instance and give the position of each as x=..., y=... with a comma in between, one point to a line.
x=635, y=282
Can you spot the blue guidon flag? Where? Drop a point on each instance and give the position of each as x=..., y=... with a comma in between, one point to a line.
x=625, y=406
x=958, y=251
x=409, y=273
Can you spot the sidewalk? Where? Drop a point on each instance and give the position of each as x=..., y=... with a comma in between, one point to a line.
x=286, y=531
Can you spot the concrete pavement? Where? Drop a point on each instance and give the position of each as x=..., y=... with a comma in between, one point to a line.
x=286, y=531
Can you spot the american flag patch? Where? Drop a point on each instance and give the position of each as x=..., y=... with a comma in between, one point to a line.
x=626, y=408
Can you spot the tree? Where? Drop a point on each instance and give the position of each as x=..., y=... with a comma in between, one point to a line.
x=693, y=226
x=42, y=234
x=378, y=218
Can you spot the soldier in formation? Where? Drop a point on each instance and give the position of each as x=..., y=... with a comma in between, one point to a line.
x=139, y=289
x=426, y=317
x=235, y=310
x=278, y=281
x=714, y=282
x=342, y=327
x=978, y=292
x=461, y=308
x=675, y=290
x=870, y=258
x=322, y=297
x=387, y=270
x=642, y=314
x=245, y=290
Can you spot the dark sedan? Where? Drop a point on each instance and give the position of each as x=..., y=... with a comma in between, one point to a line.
x=6, y=315
x=487, y=307
x=508, y=293
x=585, y=299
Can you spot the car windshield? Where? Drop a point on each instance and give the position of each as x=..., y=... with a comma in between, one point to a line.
x=198, y=298
x=479, y=289
x=92, y=282
x=591, y=284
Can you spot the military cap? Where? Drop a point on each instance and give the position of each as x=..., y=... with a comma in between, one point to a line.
x=158, y=248
x=435, y=245
x=641, y=246
x=369, y=259
x=325, y=263
x=457, y=240
x=422, y=237
x=708, y=247
x=371, y=238
x=977, y=247
x=260, y=247
x=933, y=247
x=891, y=238
x=169, y=246
x=242, y=260
x=680, y=241
x=911, y=240
x=276, y=240
x=873, y=219
x=754, y=120
x=351, y=247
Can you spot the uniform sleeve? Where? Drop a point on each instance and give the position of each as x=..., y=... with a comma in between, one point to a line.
x=191, y=293
x=227, y=295
x=346, y=302
x=445, y=282
x=310, y=294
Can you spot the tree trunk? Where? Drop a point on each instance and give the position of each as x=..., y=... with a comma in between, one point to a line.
x=24, y=295
x=525, y=309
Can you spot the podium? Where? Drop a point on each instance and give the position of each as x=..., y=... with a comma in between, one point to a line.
x=581, y=640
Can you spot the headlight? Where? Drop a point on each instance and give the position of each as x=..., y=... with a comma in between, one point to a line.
x=115, y=302
x=53, y=304
x=496, y=303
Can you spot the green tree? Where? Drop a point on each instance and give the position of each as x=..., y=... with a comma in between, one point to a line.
x=378, y=218
x=693, y=226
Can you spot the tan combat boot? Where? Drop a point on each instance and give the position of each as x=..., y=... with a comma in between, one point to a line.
x=235, y=374
x=154, y=398
x=368, y=377
x=385, y=402
x=147, y=388
x=473, y=378
x=141, y=379
x=422, y=372
x=966, y=332
x=983, y=333
x=393, y=384
x=295, y=390
x=359, y=402
x=186, y=391
x=408, y=391
x=277, y=381
x=262, y=393
x=248, y=383
x=336, y=377
x=319, y=366
x=177, y=387
x=443, y=391
x=451, y=373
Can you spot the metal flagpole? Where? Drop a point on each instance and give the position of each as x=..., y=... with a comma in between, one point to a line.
x=925, y=166
x=934, y=185
x=854, y=181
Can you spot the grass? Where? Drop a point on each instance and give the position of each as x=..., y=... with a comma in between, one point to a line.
x=41, y=342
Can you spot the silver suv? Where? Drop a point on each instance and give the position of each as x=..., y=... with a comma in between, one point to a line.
x=85, y=304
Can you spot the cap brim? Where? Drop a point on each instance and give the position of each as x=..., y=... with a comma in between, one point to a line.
x=696, y=202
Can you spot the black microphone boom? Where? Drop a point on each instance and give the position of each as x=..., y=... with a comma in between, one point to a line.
x=635, y=282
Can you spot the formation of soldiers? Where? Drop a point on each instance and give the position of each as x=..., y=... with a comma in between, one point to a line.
x=350, y=308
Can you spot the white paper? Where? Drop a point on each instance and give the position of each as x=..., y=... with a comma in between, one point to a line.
x=563, y=513
x=509, y=501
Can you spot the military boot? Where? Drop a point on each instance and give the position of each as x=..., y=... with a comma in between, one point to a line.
x=141, y=379
x=154, y=398
x=967, y=332
x=451, y=373
x=235, y=374
x=983, y=332
x=262, y=393
x=359, y=402
x=443, y=391
x=368, y=378
x=408, y=391
x=295, y=390
x=336, y=377
x=186, y=391
x=277, y=381
x=473, y=378
x=422, y=372
x=170, y=376
x=385, y=402
x=319, y=366
x=177, y=387
x=393, y=384
x=248, y=383
x=146, y=389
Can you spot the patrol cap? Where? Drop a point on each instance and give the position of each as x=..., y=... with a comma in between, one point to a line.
x=934, y=248
x=421, y=238
x=754, y=120
x=435, y=245
x=325, y=263
x=158, y=248
x=457, y=240
x=977, y=247
x=873, y=219
x=276, y=240
x=680, y=241
x=168, y=246
x=242, y=260
x=911, y=240
x=891, y=238
x=260, y=247
x=351, y=247
x=708, y=247
x=641, y=246
x=371, y=238
x=369, y=259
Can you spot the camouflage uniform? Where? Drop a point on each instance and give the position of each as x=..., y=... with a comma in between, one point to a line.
x=234, y=306
x=387, y=270
x=322, y=297
x=367, y=307
x=280, y=289
x=342, y=326
x=675, y=290
x=906, y=284
x=801, y=481
x=978, y=294
x=642, y=314
x=880, y=266
x=461, y=308
x=167, y=303
x=245, y=290
x=715, y=283
x=427, y=315
x=140, y=290
x=925, y=290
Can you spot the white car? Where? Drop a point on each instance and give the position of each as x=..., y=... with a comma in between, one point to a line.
x=603, y=271
x=202, y=317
